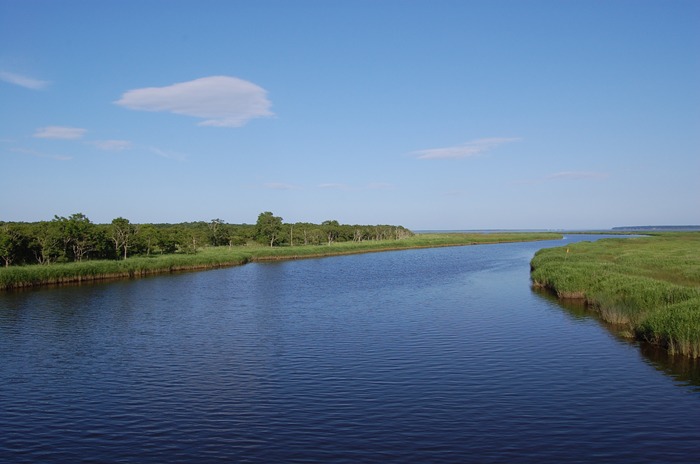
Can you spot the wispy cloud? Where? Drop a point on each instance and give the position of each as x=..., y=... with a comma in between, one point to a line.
x=280, y=186
x=334, y=186
x=23, y=81
x=59, y=132
x=466, y=150
x=37, y=154
x=167, y=154
x=380, y=186
x=112, y=145
x=222, y=101
x=329, y=186
x=565, y=176
x=370, y=186
x=577, y=175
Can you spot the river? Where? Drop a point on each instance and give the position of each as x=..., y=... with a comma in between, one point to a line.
x=428, y=355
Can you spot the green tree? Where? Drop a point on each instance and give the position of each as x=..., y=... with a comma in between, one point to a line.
x=168, y=240
x=268, y=228
x=78, y=235
x=11, y=243
x=191, y=236
x=83, y=237
x=122, y=233
x=240, y=234
x=46, y=242
x=147, y=238
x=218, y=232
x=331, y=229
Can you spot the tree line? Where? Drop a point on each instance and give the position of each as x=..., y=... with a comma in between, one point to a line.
x=76, y=238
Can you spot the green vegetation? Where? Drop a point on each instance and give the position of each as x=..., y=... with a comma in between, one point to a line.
x=334, y=242
x=77, y=239
x=85, y=271
x=649, y=285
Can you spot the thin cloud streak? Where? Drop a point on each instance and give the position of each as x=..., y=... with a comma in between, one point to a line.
x=167, y=154
x=467, y=150
x=112, y=145
x=23, y=81
x=334, y=186
x=380, y=186
x=280, y=186
x=60, y=132
x=566, y=176
x=577, y=175
x=346, y=187
x=37, y=154
x=222, y=101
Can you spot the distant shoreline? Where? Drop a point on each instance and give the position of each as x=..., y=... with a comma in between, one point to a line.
x=658, y=228
x=32, y=276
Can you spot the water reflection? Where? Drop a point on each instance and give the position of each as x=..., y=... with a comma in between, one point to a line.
x=441, y=356
x=682, y=369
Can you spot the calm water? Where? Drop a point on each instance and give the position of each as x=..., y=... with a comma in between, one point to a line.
x=436, y=355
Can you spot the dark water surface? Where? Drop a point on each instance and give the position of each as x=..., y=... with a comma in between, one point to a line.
x=432, y=355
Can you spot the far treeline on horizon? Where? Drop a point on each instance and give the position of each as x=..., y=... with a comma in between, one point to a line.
x=659, y=228
x=76, y=238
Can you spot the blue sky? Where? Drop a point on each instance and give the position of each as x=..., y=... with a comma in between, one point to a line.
x=430, y=114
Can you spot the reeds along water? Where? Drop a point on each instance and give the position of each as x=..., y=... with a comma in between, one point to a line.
x=86, y=271
x=677, y=327
x=651, y=285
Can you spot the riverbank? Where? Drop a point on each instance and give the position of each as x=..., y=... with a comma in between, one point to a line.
x=217, y=257
x=648, y=286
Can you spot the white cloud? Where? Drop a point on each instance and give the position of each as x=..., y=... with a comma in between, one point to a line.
x=469, y=149
x=59, y=132
x=38, y=154
x=112, y=145
x=23, y=81
x=577, y=175
x=222, y=101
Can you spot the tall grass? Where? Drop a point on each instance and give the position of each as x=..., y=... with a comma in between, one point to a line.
x=651, y=284
x=677, y=328
x=54, y=274
x=213, y=257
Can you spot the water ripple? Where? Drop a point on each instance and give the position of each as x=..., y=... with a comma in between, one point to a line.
x=427, y=355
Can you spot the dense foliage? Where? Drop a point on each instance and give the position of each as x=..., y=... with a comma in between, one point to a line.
x=77, y=239
x=650, y=285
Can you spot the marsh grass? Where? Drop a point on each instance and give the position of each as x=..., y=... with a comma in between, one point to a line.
x=677, y=327
x=650, y=285
x=56, y=274
x=214, y=257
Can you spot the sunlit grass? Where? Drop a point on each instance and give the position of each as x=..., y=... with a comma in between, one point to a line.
x=27, y=276
x=650, y=284
x=677, y=327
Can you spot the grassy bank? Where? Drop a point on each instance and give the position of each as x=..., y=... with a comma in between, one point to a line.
x=215, y=257
x=650, y=286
